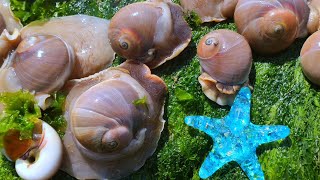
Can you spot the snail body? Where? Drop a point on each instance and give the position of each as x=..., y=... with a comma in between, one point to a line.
x=149, y=32
x=86, y=35
x=109, y=136
x=209, y=10
x=271, y=26
x=310, y=58
x=7, y=20
x=225, y=58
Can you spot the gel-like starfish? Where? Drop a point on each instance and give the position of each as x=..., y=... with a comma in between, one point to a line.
x=236, y=138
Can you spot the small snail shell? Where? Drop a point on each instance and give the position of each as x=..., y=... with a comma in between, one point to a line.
x=41, y=63
x=310, y=58
x=149, y=32
x=8, y=42
x=109, y=136
x=225, y=58
x=44, y=161
x=209, y=10
x=271, y=26
x=7, y=19
x=87, y=35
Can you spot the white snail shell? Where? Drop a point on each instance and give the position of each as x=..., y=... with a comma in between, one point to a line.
x=108, y=136
x=87, y=36
x=47, y=157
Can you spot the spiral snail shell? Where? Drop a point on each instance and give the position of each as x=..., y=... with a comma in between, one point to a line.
x=271, y=26
x=149, y=32
x=310, y=58
x=225, y=58
x=209, y=10
x=109, y=135
x=86, y=35
x=37, y=66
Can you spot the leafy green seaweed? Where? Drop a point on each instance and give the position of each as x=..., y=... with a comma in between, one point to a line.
x=281, y=95
x=19, y=113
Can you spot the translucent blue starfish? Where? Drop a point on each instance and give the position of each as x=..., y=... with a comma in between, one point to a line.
x=236, y=138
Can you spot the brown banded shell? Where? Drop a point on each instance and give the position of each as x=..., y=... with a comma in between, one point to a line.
x=87, y=35
x=43, y=63
x=310, y=58
x=110, y=135
x=209, y=10
x=149, y=32
x=271, y=26
x=225, y=58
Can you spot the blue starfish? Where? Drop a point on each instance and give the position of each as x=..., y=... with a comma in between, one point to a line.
x=236, y=138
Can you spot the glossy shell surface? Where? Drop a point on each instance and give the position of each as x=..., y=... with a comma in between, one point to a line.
x=310, y=58
x=271, y=26
x=109, y=136
x=87, y=35
x=149, y=32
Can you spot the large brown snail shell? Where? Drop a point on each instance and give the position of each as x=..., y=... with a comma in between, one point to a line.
x=209, y=10
x=225, y=58
x=310, y=58
x=109, y=136
x=41, y=63
x=149, y=32
x=7, y=19
x=271, y=26
x=87, y=35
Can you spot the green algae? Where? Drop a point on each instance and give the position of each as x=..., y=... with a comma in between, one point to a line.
x=281, y=95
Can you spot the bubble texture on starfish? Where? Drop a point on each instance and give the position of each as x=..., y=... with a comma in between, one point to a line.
x=236, y=138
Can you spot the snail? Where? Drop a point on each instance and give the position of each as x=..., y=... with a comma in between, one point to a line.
x=87, y=35
x=225, y=58
x=9, y=30
x=310, y=58
x=149, y=32
x=31, y=156
x=209, y=10
x=7, y=20
x=38, y=67
x=114, y=121
x=271, y=26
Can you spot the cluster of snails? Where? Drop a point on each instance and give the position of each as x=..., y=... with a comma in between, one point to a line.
x=114, y=115
x=267, y=27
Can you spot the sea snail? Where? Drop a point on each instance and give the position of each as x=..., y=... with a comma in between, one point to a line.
x=209, y=10
x=86, y=35
x=114, y=121
x=310, y=58
x=40, y=64
x=9, y=30
x=7, y=19
x=225, y=58
x=39, y=158
x=149, y=32
x=271, y=26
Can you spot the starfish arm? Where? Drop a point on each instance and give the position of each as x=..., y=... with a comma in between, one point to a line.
x=266, y=134
x=211, y=164
x=240, y=111
x=252, y=168
x=210, y=126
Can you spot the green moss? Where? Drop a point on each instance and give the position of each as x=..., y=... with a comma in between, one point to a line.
x=20, y=113
x=281, y=95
